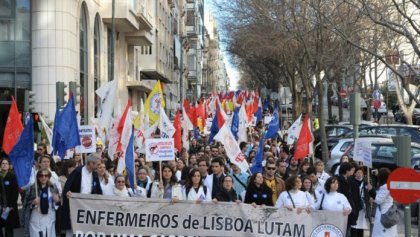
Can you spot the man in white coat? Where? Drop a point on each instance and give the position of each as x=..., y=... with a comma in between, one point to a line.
x=214, y=181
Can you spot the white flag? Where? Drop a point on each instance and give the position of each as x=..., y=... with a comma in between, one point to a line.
x=107, y=93
x=186, y=122
x=294, y=130
x=167, y=130
x=235, y=155
x=243, y=125
x=47, y=130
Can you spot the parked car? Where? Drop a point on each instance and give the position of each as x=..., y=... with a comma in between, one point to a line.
x=383, y=151
x=363, y=123
x=332, y=131
x=389, y=129
x=415, y=162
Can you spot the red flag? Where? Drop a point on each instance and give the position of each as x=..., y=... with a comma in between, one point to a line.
x=304, y=140
x=249, y=111
x=121, y=126
x=186, y=105
x=220, y=119
x=178, y=129
x=255, y=105
x=200, y=112
x=13, y=128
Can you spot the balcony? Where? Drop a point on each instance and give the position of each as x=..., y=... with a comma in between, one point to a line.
x=143, y=85
x=139, y=38
x=153, y=67
x=144, y=18
x=129, y=16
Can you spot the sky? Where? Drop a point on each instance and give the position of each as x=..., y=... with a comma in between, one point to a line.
x=231, y=70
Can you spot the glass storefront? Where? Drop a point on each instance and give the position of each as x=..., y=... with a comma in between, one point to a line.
x=15, y=54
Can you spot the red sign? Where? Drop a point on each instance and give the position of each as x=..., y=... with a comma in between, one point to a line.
x=343, y=94
x=404, y=185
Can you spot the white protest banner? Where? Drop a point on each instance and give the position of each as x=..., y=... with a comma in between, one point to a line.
x=87, y=139
x=232, y=149
x=362, y=151
x=160, y=149
x=97, y=215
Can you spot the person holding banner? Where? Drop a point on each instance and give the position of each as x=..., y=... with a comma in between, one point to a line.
x=194, y=188
x=121, y=190
x=257, y=191
x=168, y=188
x=83, y=179
x=39, y=206
x=228, y=193
x=105, y=180
x=293, y=198
x=332, y=200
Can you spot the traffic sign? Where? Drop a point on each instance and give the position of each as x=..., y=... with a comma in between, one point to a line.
x=404, y=185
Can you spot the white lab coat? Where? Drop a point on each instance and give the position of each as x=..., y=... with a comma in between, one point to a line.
x=385, y=201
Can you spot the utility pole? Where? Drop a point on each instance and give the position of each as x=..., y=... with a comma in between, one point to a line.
x=113, y=40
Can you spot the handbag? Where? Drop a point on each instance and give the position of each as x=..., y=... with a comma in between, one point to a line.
x=390, y=217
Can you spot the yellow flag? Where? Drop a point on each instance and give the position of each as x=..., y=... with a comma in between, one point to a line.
x=153, y=103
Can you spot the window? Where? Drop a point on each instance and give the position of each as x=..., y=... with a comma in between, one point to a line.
x=96, y=62
x=83, y=65
x=109, y=41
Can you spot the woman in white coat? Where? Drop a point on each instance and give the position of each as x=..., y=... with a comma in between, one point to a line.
x=40, y=206
x=333, y=200
x=194, y=188
x=106, y=181
x=384, y=201
x=168, y=188
x=293, y=198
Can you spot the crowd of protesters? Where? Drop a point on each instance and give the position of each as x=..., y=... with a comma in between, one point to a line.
x=201, y=174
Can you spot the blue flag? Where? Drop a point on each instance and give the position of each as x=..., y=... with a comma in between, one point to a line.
x=259, y=115
x=22, y=154
x=257, y=162
x=265, y=104
x=214, y=129
x=196, y=133
x=235, y=123
x=67, y=129
x=129, y=160
x=273, y=126
x=56, y=137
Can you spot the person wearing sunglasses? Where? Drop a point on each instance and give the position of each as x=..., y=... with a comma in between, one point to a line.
x=276, y=184
x=40, y=205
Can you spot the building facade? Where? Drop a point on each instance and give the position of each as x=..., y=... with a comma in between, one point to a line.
x=43, y=42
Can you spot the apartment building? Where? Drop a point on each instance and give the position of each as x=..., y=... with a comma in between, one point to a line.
x=214, y=71
x=195, y=34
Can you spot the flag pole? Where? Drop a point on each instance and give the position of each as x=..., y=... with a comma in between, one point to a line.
x=160, y=172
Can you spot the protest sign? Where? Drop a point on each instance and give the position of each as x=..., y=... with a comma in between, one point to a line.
x=160, y=149
x=87, y=139
x=363, y=151
x=97, y=215
x=232, y=149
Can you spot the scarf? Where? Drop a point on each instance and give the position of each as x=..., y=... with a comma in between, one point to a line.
x=121, y=193
x=44, y=200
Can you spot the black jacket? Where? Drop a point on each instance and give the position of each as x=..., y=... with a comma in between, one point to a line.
x=261, y=196
x=73, y=184
x=11, y=189
x=225, y=196
x=348, y=187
